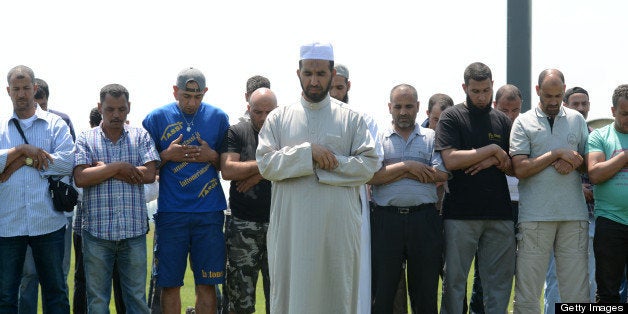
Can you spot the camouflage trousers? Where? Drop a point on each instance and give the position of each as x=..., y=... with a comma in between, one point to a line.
x=246, y=257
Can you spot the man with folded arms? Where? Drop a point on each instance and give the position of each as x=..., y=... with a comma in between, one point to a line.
x=607, y=163
x=406, y=224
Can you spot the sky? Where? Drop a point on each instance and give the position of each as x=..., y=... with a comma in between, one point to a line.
x=80, y=46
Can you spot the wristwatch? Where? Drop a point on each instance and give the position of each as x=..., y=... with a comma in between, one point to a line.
x=29, y=161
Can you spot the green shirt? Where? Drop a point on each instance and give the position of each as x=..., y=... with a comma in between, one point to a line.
x=611, y=196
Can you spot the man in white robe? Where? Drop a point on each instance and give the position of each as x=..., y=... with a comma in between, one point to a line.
x=317, y=154
x=340, y=86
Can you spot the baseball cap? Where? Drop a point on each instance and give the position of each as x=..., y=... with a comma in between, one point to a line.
x=191, y=75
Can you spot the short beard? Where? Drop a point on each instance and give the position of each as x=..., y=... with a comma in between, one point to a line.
x=470, y=102
x=404, y=125
x=314, y=98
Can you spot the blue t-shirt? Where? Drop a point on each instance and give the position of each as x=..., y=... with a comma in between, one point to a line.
x=611, y=196
x=188, y=187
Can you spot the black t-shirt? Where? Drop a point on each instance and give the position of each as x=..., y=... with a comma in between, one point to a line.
x=484, y=195
x=254, y=205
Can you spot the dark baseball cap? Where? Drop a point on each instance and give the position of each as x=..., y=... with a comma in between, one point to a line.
x=191, y=75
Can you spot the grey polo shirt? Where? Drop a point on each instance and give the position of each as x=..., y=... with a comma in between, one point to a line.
x=549, y=195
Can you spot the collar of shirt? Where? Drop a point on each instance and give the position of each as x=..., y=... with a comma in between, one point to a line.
x=417, y=132
x=539, y=113
x=39, y=114
x=124, y=133
x=316, y=105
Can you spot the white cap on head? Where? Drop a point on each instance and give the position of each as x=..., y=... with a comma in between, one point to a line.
x=342, y=70
x=319, y=51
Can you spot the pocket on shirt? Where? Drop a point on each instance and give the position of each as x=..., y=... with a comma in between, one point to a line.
x=423, y=157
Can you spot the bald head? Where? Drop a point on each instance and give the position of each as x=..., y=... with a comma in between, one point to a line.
x=261, y=103
x=262, y=95
x=553, y=74
x=508, y=100
x=550, y=90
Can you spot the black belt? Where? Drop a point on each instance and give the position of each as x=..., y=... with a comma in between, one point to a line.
x=406, y=209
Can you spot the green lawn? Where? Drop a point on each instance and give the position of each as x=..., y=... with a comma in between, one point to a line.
x=187, y=291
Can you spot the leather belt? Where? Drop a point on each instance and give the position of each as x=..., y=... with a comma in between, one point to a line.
x=404, y=210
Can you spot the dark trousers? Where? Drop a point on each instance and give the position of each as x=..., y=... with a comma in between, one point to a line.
x=48, y=256
x=80, y=296
x=400, y=304
x=610, y=245
x=154, y=290
x=417, y=238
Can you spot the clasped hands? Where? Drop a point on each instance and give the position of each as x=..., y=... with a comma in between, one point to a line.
x=41, y=160
x=567, y=161
x=191, y=153
x=500, y=159
x=324, y=158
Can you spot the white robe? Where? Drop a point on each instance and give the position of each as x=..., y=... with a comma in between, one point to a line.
x=315, y=217
x=364, y=290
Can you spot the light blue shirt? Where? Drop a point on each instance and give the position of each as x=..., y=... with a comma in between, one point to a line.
x=27, y=208
x=419, y=147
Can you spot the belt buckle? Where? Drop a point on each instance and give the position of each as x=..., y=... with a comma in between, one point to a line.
x=404, y=210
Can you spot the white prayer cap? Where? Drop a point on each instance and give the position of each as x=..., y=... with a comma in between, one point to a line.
x=342, y=70
x=320, y=51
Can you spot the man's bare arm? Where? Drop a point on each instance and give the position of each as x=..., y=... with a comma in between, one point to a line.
x=525, y=166
x=455, y=159
x=601, y=170
x=389, y=173
x=232, y=168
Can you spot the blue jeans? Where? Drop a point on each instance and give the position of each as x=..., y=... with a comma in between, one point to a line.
x=48, y=256
x=67, y=252
x=99, y=257
x=29, y=286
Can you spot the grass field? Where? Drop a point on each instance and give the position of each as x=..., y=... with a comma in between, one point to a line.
x=187, y=291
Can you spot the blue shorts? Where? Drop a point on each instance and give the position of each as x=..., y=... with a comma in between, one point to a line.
x=200, y=235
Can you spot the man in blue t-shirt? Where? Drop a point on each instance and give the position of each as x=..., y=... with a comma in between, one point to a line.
x=189, y=220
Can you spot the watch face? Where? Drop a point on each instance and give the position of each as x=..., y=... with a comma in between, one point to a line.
x=29, y=161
